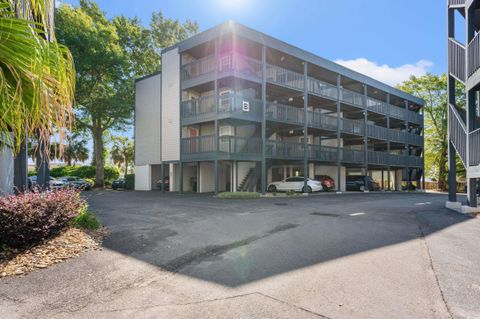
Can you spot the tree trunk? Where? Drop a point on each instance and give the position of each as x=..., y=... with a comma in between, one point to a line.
x=98, y=155
x=442, y=168
x=126, y=168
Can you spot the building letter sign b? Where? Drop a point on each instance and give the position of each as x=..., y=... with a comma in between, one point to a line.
x=246, y=106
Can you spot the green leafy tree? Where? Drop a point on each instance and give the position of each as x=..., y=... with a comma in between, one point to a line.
x=122, y=152
x=109, y=55
x=37, y=76
x=433, y=90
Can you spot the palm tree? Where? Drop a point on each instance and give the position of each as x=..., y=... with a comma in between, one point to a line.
x=122, y=152
x=75, y=150
x=37, y=76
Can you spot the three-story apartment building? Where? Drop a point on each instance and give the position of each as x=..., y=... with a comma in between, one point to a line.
x=234, y=109
x=464, y=112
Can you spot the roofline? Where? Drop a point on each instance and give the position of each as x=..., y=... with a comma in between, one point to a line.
x=262, y=38
x=148, y=76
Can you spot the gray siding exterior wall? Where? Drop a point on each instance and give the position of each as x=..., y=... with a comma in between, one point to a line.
x=171, y=106
x=147, y=120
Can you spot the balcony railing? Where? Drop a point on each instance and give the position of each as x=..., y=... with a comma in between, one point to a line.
x=415, y=161
x=456, y=59
x=232, y=61
x=285, y=113
x=352, y=126
x=397, y=136
x=456, y=2
x=241, y=105
x=397, y=112
x=474, y=148
x=473, y=55
x=240, y=145
x=284, y=150
x=352, y=156
x=202, y=146
x=415, y=117
x=457, y=132
x=240, y=64
x=198, y=107
x=322, y=88
x=284, y=77
x=198, y=144
x=252, y=68
x=377, y=106
x=322, y=121
x=198, y=68
x=322, y=153
x=377, y=132
x=234, y=104
x=351, y=97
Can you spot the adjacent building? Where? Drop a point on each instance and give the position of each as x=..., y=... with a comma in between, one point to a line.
x=234, y=109
x=464, y=111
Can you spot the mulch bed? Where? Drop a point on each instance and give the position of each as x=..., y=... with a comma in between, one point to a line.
x=69, y=243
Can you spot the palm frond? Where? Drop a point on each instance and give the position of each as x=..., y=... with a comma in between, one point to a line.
x=37, y=76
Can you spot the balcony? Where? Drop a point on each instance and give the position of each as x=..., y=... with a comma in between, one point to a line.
x=285, y=114
x=415, y=117
x=231, y=105
x=473, y=55
x=284, y=77
x=236, y=64
x=456, y=3
x=474, y=148
x=229, y=147
x=321, y=153
x=232, y=63
x=456, y=60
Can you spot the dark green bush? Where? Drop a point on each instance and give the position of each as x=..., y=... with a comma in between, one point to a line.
x=86, y=220
x=130, y=181
x=111, y=172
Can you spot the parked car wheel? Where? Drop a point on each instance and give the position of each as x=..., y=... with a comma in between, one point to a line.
x=362, y=188
x=307, y=190
x=272, y=189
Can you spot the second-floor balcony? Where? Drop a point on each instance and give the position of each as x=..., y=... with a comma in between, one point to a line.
x=241, y=107
x=237, y=64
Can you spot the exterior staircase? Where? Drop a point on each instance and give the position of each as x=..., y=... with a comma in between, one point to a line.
x=251, y=180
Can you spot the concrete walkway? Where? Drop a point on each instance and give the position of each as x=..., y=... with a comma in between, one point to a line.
x=340, y=256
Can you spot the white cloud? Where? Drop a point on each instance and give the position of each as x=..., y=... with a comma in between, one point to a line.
x=385, y=73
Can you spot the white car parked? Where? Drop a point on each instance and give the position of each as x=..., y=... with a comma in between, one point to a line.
x=296, y=184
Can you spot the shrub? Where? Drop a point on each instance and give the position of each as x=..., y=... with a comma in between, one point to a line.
x=130, y=181
x=84, y=172
x=30, y=217
x=239, y=195
x=85, y=220
x=291, y=192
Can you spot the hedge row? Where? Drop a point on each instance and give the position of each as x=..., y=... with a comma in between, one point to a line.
x=111, y=172
x=28, y=218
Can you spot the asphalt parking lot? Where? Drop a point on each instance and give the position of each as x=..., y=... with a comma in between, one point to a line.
x=376, y=255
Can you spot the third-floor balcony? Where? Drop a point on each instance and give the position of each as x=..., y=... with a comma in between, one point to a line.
x=236, y=64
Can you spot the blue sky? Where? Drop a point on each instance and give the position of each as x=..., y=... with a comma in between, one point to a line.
x=387, y=39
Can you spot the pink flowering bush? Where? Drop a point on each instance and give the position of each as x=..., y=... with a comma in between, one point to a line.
x=30, y=217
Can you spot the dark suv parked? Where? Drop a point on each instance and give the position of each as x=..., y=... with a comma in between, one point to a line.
x=357, y=183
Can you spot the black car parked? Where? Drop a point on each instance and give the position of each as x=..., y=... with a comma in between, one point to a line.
x=118, y=183
x=357, y=183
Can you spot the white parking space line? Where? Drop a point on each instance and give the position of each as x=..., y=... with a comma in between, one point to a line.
x=357, y=214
